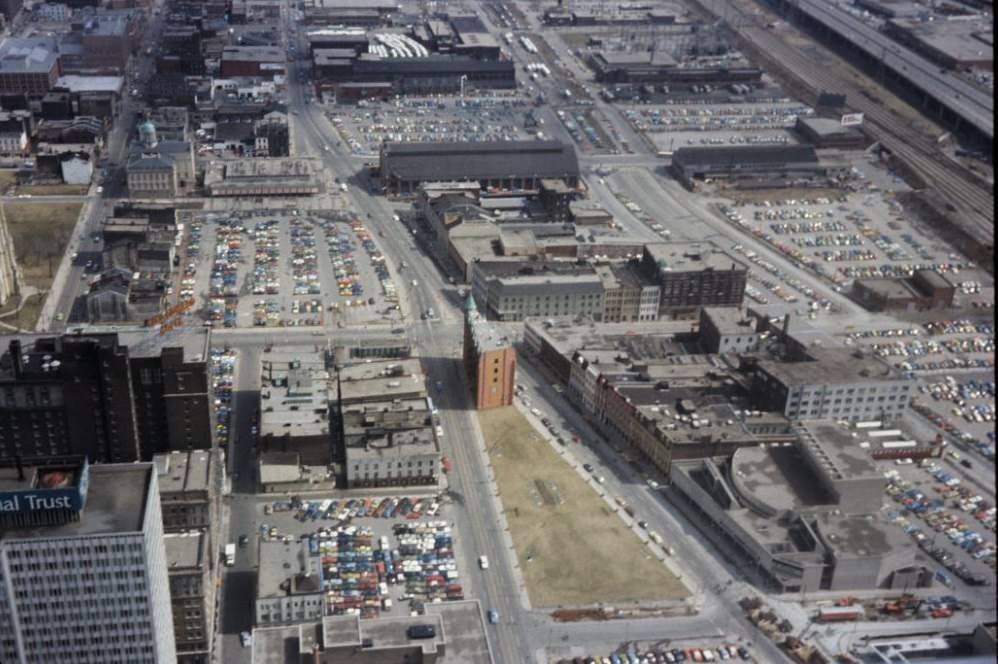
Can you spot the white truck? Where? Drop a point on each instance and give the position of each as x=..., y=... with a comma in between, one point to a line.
x=230, y=554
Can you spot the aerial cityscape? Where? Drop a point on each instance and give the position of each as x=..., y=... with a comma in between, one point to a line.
x=497, y=331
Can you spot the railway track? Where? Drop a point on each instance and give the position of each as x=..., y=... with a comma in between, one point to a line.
x=970, y=197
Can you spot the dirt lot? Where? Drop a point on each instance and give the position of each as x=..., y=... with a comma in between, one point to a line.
x=573, y=549
x=750, y=196
x=52, y=189
x=40, y=232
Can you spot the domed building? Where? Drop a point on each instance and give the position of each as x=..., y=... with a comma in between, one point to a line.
x=159, y=169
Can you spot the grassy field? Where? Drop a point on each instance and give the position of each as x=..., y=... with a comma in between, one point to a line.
x=41, y=232
x=27, y=316
x=573, y=550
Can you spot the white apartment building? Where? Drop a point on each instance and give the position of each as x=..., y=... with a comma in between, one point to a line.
x=83, y=573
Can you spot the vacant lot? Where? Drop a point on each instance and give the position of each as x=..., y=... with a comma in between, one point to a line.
x=572, y=548
x=41, y=232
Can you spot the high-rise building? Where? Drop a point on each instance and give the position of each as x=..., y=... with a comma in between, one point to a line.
x=109, y=397
x=83, y=574
x=489, y=360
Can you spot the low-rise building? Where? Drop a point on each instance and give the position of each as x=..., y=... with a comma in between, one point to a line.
x=772, y=164
x=192, y=567
x=925, y=289
x=189, y=486
x=263, y=177
x=834, y=384
x=159, y=169
x=728, y=330
x=28, y=65
x=294, y=406
x=459, y=637
x=387, y=427
x=513, y=291
x=503, y=165
x=806, y=516
x=693, y=275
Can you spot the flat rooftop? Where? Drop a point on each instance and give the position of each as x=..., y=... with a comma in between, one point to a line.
x=460, y=629
x=831, y=365
x=863, y=535
x=778, y=477
x=185, y=550
x=691, y=257
x=478, y=160
x=75, y=83
x=180, y=472
x=839, y=449
x=278, y=563
x=116, y=503
x=148, y=342
x=403, y=444
x=381, y=380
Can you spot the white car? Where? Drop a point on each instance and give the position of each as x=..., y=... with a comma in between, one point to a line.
x=653, y=484
x=483, y=562
x=246, y=639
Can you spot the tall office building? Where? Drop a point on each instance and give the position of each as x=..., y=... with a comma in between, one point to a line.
x=489, y=360
x=83, y=573
x=110, y=397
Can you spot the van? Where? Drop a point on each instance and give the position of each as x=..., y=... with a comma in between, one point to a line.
x=421, y=632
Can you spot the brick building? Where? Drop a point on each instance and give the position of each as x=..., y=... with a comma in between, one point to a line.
x=489, y=360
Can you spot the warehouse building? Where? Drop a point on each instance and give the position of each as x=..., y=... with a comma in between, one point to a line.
x=660, y=67
x=761, y=165
x=805, y=516
x=926, y=289
x=263, y=177
x=955, y=44
x=832, y=383
x=829, y=133
x=434, y=73
x=505, y=165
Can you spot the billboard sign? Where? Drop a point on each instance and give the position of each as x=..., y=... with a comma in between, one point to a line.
x=56, y=490
x=852, y=119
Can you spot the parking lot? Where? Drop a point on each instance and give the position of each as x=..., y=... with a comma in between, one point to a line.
x=280, y=268
x=681, y=124
x=961, y=408
x=498, y=117
x=857, y=235
x=950, y=521
x=932, y=348
x=223, y=369
x=660, y=655
x=379, y=554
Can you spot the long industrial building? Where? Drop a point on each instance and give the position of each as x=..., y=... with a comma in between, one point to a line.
x=965, y=102
x=504, y=165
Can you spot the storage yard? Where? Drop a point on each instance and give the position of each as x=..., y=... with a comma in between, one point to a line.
x=572, y=549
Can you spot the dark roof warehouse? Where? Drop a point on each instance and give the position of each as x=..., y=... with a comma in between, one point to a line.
x=405, y=165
